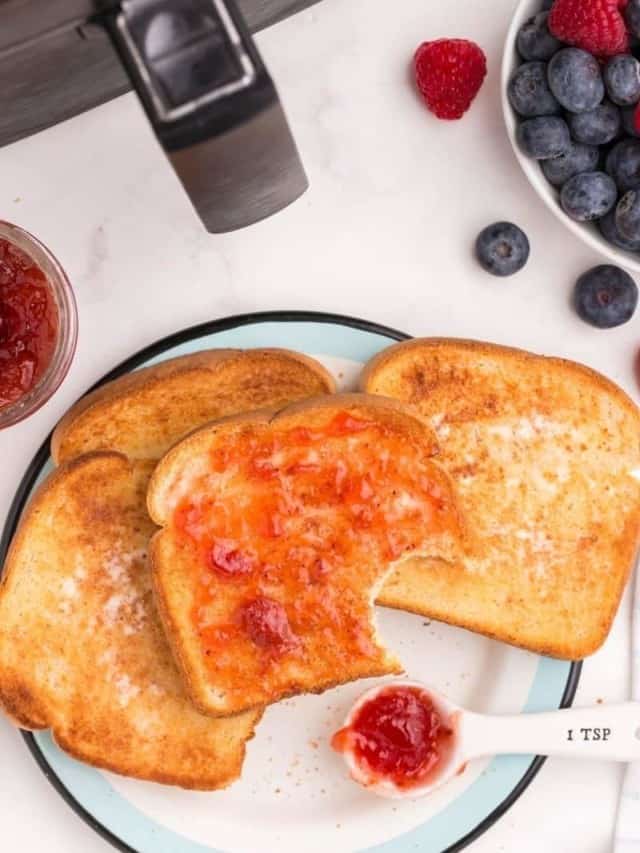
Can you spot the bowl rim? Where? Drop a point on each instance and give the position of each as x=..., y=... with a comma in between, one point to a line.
x=63, y=355
x=584, y=231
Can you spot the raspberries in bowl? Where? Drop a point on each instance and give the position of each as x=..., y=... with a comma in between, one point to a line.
x=571, y=99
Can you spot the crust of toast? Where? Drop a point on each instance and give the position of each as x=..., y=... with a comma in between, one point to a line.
x=143, y=413
x=82, y=650
x=174, y=563
x=540, y=448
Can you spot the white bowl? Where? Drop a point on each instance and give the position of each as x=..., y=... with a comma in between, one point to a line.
x=587, y=232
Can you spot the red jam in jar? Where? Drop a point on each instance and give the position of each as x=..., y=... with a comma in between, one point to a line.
x=399, y=736
x=28, y=323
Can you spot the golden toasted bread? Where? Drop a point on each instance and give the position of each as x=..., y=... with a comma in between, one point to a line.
x=143, y=413
x=542, y=453
x=278, y=530
x=81, y=648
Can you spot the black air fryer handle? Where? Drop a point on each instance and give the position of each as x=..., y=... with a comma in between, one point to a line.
x=201, y=80
x=181, y=56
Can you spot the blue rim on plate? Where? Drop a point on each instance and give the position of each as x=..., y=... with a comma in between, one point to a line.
x=467, y=817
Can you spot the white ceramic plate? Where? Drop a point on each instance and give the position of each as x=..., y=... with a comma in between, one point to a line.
x=587, y=232
x=294, y=794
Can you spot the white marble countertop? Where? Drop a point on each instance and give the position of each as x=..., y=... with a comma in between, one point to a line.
x=385, y=232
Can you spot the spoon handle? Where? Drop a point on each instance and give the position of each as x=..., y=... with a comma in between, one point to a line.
x=607, y=732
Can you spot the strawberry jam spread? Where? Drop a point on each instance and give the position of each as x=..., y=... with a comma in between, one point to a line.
x=291, y=528
x=28, y=323
x=397, y=736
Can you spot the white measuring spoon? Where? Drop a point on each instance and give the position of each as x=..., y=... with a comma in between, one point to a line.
x=603, y=733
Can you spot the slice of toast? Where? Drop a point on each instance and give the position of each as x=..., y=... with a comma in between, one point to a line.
x=542, y=453
x=143, y=413
x=81, y=648
x=278, y=530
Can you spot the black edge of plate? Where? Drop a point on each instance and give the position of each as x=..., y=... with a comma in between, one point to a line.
x=131, y=363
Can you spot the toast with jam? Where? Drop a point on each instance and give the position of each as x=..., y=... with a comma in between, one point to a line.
x=277, y=532
x=82, y=650
x=143, y=413
x=545, y=455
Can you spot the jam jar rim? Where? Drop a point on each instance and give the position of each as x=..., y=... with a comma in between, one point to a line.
x=67, y=332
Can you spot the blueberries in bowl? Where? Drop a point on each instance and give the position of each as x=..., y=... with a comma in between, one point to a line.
x=588, y=196
x=606, y=296
x=578, y=158
x=535, y=41
x=596, y=127
x=622, y=80
x=610, y=232
x=623, y=164
x=544, y=137
x=579, y=116
x=627, y=216
x=529, y=93
x=502, y=248
x=576, y=80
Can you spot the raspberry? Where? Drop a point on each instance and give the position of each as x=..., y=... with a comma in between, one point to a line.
x=596, y=26
x=449, y=74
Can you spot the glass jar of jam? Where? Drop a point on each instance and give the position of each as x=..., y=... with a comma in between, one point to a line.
x=38, y=324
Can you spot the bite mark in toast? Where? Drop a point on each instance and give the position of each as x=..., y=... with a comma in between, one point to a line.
x=541, y=451
x=277, y=533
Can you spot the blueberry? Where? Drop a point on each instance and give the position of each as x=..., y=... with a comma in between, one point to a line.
x=575, y=79
x=596, y=127
x=529, y=93
x=622, y=79
x=579, y=158
x=628, y=115
x=623, y=164
x=534, y=39
x=632, y=16
x=610, y=232
x=627, y=216
x=588, y=196
x=606, y=296
x=502, y=248
x=543, y=137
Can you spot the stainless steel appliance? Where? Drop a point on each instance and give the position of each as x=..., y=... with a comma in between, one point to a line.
x=196, y=69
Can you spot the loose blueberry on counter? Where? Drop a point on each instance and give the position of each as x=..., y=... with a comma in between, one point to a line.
x=627, y=216
x=632, y=17
x=544, y=137
x=611, y=234
x=502, y=248
x=588, y=196
x=529, y=93
x=630, y=117
x=622, y=80
x=606, y=296
x=534, y=39
x=623, y=164
x=596, y=127
x=575, y=79
x=579, y=158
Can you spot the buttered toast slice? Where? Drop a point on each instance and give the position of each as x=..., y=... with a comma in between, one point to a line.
x=143, y=413
x=277, y=532
x=545, y=455
x=82, y=650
